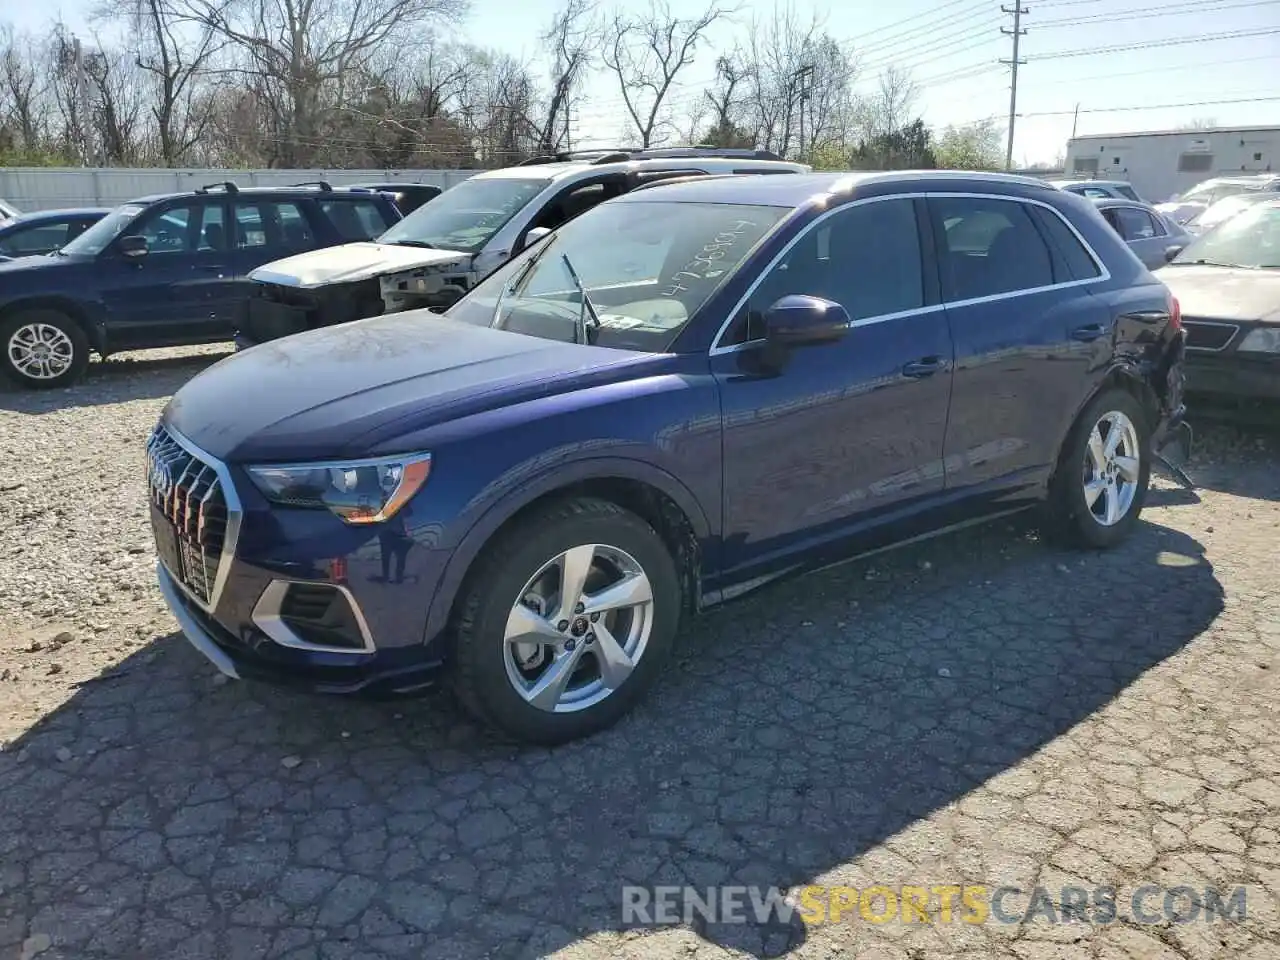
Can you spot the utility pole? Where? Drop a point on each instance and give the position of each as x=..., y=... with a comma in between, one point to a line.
x=83, y=108
x=1017, y=32
x=803, y=80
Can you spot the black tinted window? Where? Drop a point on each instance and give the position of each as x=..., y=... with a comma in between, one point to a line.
x=355, y=219
x=988, y=247
x=1135, y=224
x=1071, y=260
x=35, y=239
x=866, y=258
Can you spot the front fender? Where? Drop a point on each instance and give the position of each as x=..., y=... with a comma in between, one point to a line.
x=520, y=490
x=88, y=315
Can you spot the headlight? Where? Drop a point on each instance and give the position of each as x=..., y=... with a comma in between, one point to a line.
x=1261, y=340
x=358, y=491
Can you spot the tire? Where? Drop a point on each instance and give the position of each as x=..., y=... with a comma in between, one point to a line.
x=65, y=343
x=1072, y=518
x=487, y=666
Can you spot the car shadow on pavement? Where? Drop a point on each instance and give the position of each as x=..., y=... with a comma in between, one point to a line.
x=161, y=812
x=1237, y=458
x=119, y=379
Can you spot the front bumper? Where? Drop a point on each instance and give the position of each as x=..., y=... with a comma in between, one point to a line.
x=1237, y=376
x=293, y=597
x=251, y=655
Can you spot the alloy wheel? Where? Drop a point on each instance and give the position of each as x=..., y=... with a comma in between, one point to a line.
x=40, y=351
x=1112, y=468
x=578, y=628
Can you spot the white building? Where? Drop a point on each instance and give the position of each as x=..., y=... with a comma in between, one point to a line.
x=1162, y=163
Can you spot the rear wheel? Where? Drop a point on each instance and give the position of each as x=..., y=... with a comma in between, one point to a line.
x=567, y=621
x=1103, y=473
x=43, y=349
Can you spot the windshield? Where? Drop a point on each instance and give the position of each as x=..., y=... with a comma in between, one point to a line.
x=1224, y=210
x=1249, y=239
x=464, y=217
x=646, y=269
x=96, y=239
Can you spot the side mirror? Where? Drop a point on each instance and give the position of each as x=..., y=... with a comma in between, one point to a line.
x=132, y=247
x=534, y=236
x=800, y=321
x=1171, y=252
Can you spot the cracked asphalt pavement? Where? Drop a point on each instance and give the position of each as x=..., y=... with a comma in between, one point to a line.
x=980, y=709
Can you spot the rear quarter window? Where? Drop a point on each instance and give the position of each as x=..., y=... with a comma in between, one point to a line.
x=355, y=220
x=1072, y=261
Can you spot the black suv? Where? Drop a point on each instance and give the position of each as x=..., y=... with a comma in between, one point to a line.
x=166, y=271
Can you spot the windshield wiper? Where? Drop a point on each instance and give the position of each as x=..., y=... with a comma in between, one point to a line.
x=580, y=332
x=518, y=279
x=1204, y=262
x=414, y=243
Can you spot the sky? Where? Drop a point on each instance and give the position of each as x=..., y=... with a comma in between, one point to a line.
x=1127, y=65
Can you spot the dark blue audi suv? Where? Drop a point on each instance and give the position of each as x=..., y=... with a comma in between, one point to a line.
x=683, y=394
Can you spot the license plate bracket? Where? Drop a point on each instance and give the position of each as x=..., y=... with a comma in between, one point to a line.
x=167, y=547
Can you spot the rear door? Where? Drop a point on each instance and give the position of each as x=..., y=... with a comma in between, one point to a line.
x=1144, y=234
x=1026, y=330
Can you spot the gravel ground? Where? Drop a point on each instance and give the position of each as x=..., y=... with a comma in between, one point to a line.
x=979, y=710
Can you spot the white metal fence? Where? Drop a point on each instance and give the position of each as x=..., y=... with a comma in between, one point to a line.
x=51, y=188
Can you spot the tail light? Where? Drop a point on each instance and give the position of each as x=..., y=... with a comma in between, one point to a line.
x=1175, y=314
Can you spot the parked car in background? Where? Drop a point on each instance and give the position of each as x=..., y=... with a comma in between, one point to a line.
x=1224, y=209
x=408, y=197
x=1096, y=189
x=433, y=256
x=35, y=234
x=1228, y=282
x=8, y=211
x=1154, y=239
x=163, y=271
x=1203, y=195
x=533, y=489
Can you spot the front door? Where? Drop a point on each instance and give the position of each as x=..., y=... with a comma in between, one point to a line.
x=1027, y=334
x=171, y=294
x=837, y=437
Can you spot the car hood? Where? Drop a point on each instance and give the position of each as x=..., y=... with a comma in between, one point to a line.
x=351, y=262
x=349, y=390
x=1224, y=293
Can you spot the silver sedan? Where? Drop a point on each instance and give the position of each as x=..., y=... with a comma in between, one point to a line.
x=1156, y=239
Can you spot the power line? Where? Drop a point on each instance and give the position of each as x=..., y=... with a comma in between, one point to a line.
x=915, y=32
x=1141, y=13
x=1158, y=106
x=1016, y=33
x=1153, y=44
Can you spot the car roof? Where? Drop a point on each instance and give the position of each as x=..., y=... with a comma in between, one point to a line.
x=1091, y=180
x=60, y=214
x=563, y=169
x=1120, y=202
x=299, y=190
x=798, y=190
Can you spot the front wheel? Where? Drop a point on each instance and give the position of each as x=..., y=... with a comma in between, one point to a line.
x=43, y=349
x=567, y=622
x=1103, y=472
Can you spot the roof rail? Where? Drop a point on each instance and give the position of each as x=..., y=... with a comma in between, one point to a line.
x=687, y=178
x=226, y=185
x=564, y=156
x=324, y=185
x=703, y=150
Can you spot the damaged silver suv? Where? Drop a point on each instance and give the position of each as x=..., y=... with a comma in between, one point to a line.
x=440, y=251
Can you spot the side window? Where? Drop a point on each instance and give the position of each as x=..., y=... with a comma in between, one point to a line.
x=77, y=227
x=171, y=230
x=355, y=220
x=294, y=230
x=574, y=203
x=37, y=239
x=988, y=247
x=1094, y=192
x=1076, y=262
x=251, y=229
x=865, y=258
x=212, y=233
x=1135, y=224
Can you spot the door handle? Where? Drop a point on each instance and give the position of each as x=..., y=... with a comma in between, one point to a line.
x=925, y=367
x=1088, y=332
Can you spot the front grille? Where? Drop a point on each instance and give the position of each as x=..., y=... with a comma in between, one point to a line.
x=1209, y=334
x=189, y=514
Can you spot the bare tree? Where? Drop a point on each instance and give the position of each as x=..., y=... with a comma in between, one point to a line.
x=176, y=57
x=297, y=56
x=117, y=98
x=889, y=108
x=571, y=40
x=646, y=52
x=20, y=89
